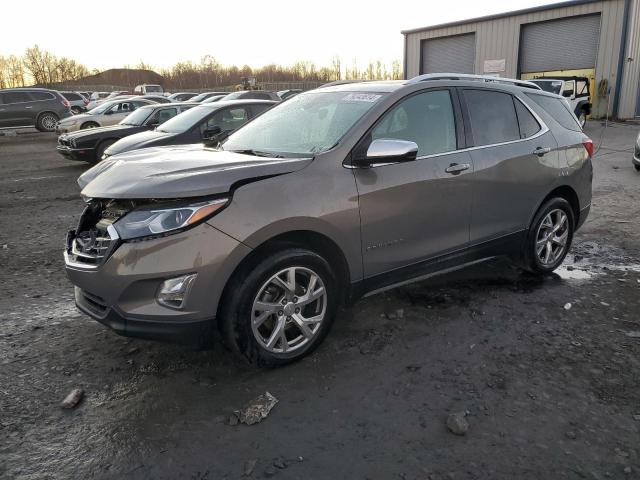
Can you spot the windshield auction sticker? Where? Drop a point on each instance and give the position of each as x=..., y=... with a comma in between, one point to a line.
x=361, y=97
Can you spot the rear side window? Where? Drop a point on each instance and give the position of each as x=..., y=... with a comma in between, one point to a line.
x=493, y=117
x=15, y=97
x=556, y=108
x=42, y=96
x=71, y=96
x=529, y=126
x=426, y=119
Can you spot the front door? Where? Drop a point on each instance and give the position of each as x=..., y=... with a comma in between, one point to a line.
x=416, y=210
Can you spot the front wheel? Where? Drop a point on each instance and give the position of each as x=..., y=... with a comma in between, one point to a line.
x=86, y=125
x=281, y=308
x=549, y=237
x=101, y=148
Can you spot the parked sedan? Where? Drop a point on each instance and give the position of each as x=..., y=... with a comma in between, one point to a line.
x=89, y=145
x=201, y=123
x=77, y=101
x=108, y=113
x=181, y=96
x=203, y=96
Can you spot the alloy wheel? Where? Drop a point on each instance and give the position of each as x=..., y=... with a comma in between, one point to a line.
x=552, y=237
x=288, y=310
x=48, y=122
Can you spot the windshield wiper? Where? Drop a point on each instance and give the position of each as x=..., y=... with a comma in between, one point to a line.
x=258, y=153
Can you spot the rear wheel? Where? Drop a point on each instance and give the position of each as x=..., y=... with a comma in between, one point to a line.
x=582, y=117
x=281, y=308
x=47, y=122
x=550, y=236
x=86, y=125
x=102, y=146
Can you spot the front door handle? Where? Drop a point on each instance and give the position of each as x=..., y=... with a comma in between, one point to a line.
x=541, y=151
x=29, y=106
x=456, y=168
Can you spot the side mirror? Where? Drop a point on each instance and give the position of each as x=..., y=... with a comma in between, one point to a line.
x=210, y=133
x=567, y=93
x=390, y=150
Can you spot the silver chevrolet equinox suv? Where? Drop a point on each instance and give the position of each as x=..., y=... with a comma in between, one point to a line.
x=338, y=193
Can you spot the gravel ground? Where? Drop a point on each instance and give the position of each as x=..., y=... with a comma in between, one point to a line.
x=548, y=391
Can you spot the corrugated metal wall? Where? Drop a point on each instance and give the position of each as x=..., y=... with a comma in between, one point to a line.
x=629, y=91
x=500, y=39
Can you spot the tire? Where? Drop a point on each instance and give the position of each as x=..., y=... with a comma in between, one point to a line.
x=247, y=329
x=544, y=257
x=86, y=125
x=582, y=118
x=47, y=121
x=102, y=146
x=76, y=110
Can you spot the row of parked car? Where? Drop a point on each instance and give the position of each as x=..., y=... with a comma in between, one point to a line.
x=50, y=110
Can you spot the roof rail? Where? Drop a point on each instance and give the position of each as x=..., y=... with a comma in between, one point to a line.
x=476, y=78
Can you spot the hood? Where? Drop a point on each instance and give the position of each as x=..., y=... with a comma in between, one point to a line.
x=139, y=140
x=90, y=132
x=179, y=172
x=76, y=118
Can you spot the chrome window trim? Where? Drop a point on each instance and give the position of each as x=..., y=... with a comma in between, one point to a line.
x=543, y=129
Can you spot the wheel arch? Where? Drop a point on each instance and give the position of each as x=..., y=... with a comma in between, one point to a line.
x=312, y=240
x=564, y=191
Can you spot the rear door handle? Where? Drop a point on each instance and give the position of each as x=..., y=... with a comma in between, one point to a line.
x=456, y=168
x=29, y=106
x=541, y=151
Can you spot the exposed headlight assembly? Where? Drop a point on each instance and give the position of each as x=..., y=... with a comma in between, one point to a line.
x=157, y=220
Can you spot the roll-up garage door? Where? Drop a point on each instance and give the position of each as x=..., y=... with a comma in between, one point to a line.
x=566, y=44
x=449, y=54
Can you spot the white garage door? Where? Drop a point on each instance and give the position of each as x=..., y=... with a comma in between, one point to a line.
x=455, y=54
x=565, y=44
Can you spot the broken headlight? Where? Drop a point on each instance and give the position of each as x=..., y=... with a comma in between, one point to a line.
x=157, y=220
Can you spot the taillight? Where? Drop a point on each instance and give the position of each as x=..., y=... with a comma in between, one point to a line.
x=86, y=102
x=588, y=146
x=65, y=102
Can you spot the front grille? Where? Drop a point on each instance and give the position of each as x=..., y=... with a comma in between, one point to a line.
x=93, y=247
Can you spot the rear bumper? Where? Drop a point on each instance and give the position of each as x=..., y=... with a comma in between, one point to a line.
x=78, y=154
x=185, y=332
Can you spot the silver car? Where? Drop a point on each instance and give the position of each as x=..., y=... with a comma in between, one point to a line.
x=104, y=115
x=339, y=192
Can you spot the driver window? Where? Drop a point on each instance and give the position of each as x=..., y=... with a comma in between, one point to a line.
x=569, y=88
x=426, y=119
x=227, y=120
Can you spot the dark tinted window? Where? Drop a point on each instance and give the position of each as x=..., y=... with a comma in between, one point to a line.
x=259, y=108
x=227, y=119
x=15, y=97
x=260, y=96
x=493, y=117
x=71, y=96
x=529, y=126
x=558, y=110
x=42, y=96
x=426, y=119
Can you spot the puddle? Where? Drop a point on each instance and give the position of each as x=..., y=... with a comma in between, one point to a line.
x=569, y=272
x=591, y=260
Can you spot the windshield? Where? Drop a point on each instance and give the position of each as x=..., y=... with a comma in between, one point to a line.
x=183, y=122
x=551, y=86
x=137, y=117
x=307, y=124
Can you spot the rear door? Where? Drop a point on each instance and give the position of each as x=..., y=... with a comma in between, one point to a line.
x=515, y=159
x=417, y=210
x=16, y=109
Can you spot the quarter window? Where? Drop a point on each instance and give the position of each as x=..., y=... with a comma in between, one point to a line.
x=42, y=96
x=556, y=108
x=426, y=119
x=493, y=117
x=529, y=126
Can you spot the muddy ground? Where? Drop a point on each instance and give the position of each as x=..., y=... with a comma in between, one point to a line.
x=549, y=392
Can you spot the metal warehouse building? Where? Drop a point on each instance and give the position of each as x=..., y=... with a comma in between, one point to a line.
x=597, y=39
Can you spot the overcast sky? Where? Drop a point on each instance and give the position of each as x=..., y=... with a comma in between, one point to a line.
x=105, y=34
